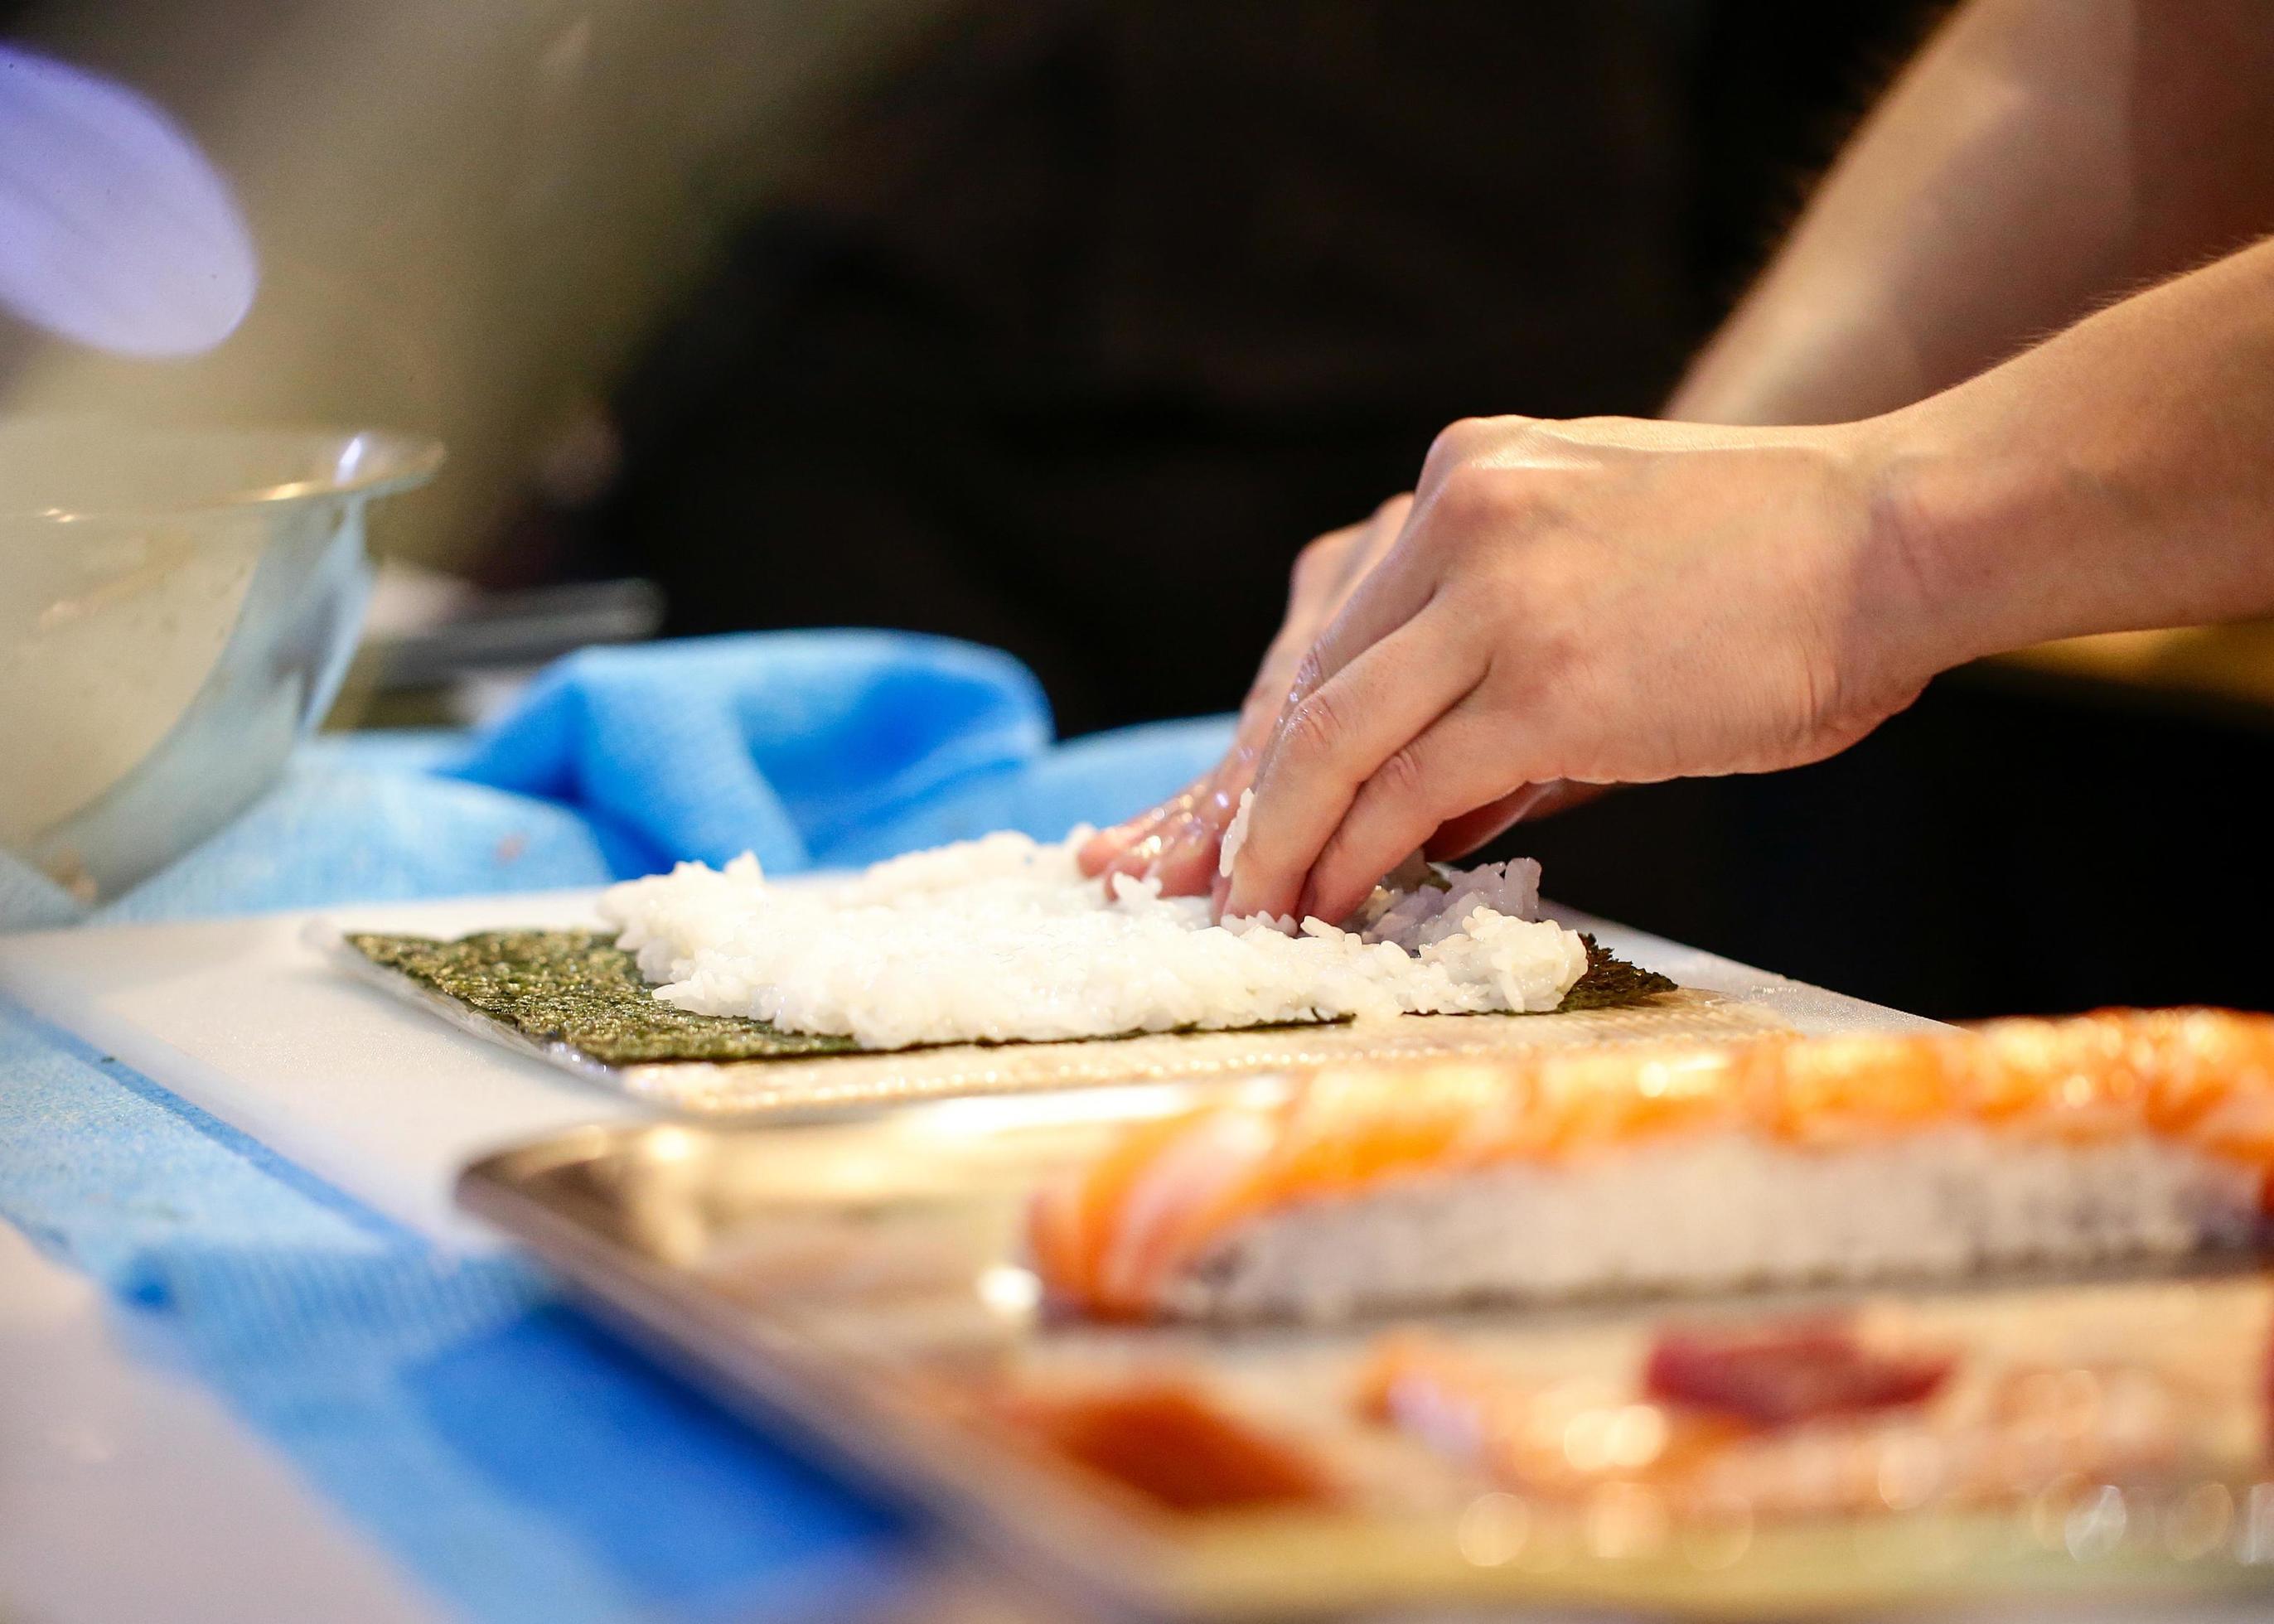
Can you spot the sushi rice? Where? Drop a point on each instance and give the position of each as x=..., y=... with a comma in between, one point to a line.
x=1788, y=1161
x=1003, y=938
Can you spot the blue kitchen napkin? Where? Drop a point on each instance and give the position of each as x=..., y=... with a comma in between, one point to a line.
x=522, y=1463
x=519, y=1460
x=811, y=749
x=781, y=743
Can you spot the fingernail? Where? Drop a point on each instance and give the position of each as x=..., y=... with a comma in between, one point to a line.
x=1241, y=900
x=1139, y=856
x=1098, y=853
x=1166, y=844
x=1189, y=867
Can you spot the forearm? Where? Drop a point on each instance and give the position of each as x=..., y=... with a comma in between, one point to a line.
x=1609, y=601
x=2038, y=156
x=2119, y=476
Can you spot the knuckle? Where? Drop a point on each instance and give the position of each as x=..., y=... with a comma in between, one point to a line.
x=1310, y=675
x=1315, y=727
x=1319, y=557
x=1402, y=778
x=1470, y=498
x=1449, y=450
x=1457, y=437
x=1464, y=439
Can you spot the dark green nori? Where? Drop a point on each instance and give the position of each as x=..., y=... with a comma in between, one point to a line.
x=1610, y=982
x=577, y=988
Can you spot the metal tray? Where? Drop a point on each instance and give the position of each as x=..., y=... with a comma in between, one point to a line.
x=862, y=1279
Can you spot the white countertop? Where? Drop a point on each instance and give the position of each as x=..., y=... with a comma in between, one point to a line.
x=127, y=1493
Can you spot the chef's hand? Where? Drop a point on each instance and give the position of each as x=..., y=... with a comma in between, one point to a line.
x=1604, y=601
x=1177, y=842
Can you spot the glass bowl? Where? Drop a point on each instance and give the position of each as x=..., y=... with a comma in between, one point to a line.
x=176, y=609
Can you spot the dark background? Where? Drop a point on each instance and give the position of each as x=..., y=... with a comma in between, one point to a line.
x=1090, y=318
x=1105, y=309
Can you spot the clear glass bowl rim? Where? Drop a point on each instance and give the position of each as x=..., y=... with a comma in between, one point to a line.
x=386, y=462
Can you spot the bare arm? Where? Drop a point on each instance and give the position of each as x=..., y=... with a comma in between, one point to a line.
x=1616, y=601
x=2118, y=477
x=2039, y=157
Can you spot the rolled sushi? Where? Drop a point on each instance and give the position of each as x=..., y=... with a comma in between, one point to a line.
x=2121, y=1134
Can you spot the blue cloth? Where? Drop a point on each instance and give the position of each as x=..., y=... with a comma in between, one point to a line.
x=814, y=747
x=516, y=1458
x=828, y=749
x=519, y=1460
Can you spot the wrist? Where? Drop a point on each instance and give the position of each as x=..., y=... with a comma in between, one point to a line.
x=1948, y=554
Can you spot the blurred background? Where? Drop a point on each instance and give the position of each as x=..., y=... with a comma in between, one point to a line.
x=1062, y=326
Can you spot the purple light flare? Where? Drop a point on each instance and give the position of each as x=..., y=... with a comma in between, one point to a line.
x=115, y=230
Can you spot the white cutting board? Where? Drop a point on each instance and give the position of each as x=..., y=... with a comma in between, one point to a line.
x=245, y=1020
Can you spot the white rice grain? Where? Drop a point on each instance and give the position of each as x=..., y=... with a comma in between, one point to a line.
x=1002, y=939
x=1236, y=835
x=1720, y=1211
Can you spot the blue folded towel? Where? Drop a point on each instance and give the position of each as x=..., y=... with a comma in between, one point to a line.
x=810, y=749
x=775, y=744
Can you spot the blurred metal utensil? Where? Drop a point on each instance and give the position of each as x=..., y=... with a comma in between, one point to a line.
x=494, y=631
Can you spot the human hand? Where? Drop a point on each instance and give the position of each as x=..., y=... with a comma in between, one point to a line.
x=1177, y=842
x=1602, y=601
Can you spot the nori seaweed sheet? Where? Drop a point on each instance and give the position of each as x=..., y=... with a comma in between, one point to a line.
x=1609, y=982
x=577, y=988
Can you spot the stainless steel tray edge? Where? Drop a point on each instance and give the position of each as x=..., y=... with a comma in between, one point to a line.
x=1083, y=1548
x=780, y=1381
